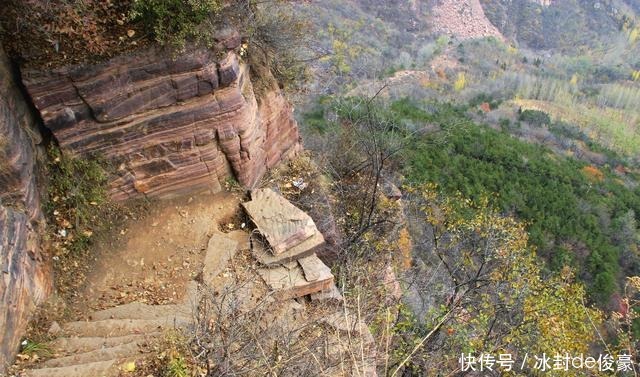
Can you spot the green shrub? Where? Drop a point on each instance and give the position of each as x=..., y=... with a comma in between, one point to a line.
x=177, y=367
x=535, y=117
x=505, y=124
x=77, y=199
x=172, y=22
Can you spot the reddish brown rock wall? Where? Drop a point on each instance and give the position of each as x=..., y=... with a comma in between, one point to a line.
x=25, y=274
x=169, y=126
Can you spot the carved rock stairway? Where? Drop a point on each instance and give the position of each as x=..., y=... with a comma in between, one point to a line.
x=104, y=345
x=112, y=338
x=283, y=246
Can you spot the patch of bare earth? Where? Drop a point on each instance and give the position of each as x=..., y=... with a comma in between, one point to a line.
x=152, y=259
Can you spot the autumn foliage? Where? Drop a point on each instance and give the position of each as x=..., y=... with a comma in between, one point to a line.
x=593, y=173
x=60, y=32
x=500, y=298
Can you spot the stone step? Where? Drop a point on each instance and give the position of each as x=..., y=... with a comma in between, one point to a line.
x=263, y=253
x=138, y=310
x=296, y=279
x=130, y=349
x=220, y=250
x=192, y=294
x=241, y=237
x=121, y=327
x=73, y=345
x=107, y=368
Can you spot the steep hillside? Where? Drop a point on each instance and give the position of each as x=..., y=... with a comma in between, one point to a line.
x=570, y=25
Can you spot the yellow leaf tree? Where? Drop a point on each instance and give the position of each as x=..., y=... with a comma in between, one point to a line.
x=499, y=301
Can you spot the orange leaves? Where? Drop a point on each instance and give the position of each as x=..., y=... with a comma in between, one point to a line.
x=593, y=173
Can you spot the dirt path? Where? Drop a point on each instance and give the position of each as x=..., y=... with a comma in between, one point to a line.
x=153, y=258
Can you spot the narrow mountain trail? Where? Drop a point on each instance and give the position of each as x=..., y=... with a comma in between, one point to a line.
x=192, y=267
x=158, y=255
x=141, y=286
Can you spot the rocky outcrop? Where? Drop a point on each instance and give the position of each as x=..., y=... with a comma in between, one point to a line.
x=168, y=125
x=25, y=273
x=282, y=224
x=287, y=244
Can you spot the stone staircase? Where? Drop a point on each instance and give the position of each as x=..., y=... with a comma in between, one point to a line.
x=282, y=250
x=103, y=345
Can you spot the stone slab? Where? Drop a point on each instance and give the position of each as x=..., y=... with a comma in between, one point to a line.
x=220, y=250
x=292, y=282
x=332, y=294
x=280, y=222
x=306, y=248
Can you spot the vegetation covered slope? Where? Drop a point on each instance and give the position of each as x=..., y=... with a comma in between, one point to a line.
x=577, y=214
x=477, y=282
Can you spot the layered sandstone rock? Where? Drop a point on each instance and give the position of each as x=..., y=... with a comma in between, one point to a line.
x=168, y=125
x=282, y=224
x=25, y=279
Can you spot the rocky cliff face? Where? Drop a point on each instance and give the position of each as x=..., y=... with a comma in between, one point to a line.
x=26, y=274
x=169, y=126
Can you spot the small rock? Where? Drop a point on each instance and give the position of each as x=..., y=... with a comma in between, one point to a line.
x=54, y=329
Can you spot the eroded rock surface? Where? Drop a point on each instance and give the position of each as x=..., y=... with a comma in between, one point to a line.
x=282, y=224
x=168, y=125
x=25, y=273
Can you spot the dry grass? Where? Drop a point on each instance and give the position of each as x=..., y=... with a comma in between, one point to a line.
x=617, y=129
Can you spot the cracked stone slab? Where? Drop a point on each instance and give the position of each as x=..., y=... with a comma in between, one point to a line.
x=295, y=282
x=263, y=253
x=331, y=295
x=278, y=220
